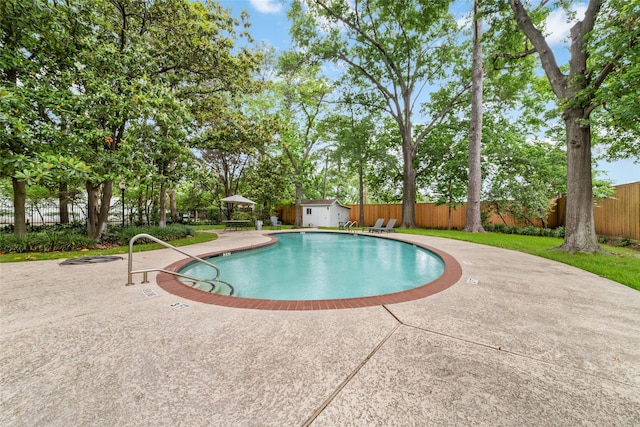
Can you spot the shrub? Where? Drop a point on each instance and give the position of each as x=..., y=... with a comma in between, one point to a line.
x=13, y=243
x=172, y=232
x=623, y=241
x=528, y=231
x=48, y=241
x=52, y=240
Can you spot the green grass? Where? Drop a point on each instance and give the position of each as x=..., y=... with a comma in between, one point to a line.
x=622, y=265
x=200, y=237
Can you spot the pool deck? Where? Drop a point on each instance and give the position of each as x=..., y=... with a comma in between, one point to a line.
x=518, y=340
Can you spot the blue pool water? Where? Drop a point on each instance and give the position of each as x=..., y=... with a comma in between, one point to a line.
x=313, y=266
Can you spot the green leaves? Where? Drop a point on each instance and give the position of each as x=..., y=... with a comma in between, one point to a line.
x=50, y=169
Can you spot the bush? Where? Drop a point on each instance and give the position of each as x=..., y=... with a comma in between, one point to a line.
x=51, y=240
x=623, y=242
x=527, y=231
x=530, y=231
x=47, y=241
x=172, y=232
x=559, y=232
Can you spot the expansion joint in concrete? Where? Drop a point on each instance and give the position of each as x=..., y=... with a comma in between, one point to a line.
x=349, y=378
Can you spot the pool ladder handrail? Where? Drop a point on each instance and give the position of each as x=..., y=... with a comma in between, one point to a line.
x=350, y=224
x=131, y=271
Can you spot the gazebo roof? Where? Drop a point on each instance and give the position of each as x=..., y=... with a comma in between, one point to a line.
x=237, y=199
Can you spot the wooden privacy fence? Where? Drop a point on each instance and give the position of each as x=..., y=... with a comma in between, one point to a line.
x=618, y=216
x=428, y=215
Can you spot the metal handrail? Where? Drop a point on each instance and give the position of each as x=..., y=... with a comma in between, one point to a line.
x=350, y=224
x=131, y=272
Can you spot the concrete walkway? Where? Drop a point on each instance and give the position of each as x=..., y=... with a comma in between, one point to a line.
x=531, y=343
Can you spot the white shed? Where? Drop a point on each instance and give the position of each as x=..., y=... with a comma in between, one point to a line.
x=324, y=213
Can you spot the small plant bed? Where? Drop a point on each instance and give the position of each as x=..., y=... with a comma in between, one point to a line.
x=52, y=244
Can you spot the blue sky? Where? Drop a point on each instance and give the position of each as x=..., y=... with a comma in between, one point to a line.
x=269, y=24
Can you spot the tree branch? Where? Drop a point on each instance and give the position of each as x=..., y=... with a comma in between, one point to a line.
x=559, y=82
x=452, y=103
x=391, y=66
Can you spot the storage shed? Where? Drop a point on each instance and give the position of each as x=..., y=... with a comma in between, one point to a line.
x=324, y=213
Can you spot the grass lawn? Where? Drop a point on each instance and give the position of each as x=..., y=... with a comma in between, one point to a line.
x=622, y=266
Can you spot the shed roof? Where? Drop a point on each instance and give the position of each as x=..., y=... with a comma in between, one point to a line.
x=323, y=202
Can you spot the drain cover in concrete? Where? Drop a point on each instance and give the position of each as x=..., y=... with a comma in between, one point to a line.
x=149, y=293
x=90, y=260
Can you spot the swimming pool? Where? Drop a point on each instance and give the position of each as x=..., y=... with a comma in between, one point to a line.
x=314, y=266
x=170, y=283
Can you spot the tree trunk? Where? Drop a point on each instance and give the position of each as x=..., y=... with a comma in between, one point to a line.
x=298, y=202
x=19, y=211
x=92, y=210
x=473, y=222
x=361, y=191
x=580, y=233
x=408, y=178
x=326, y=171
x=150, y=203
x=162, y=214
x=63, y=197
x=98, y=208
x=173, y=205
x=140, y=206
x=105, y=206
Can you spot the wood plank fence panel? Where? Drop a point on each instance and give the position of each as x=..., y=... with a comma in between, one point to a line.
x=619, y=216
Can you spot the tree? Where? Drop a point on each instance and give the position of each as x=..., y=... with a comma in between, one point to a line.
x=233, y=139
x=304, y=103
x=269, y=182
x=354, y=136
x=522, y=175
x=399, y=49
x=579, y=92
x=148, y=61
x=36, y=53
x=442, y=169
x=473, y=221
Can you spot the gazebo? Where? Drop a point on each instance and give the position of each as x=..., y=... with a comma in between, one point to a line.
x=238, y=200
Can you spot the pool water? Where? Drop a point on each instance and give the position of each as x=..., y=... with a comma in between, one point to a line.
x=313, y=266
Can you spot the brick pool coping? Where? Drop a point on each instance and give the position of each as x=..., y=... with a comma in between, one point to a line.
x=171, y=284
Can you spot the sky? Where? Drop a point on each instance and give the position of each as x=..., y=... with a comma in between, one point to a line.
x=269, y=24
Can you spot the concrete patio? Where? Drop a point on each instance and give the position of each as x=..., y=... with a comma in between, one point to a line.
x=519, y=340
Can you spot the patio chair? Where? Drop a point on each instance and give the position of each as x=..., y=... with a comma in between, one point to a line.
x=389, y=227
x=275, y=224
x=377, y=226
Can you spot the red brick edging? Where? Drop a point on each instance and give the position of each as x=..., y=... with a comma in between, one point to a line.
x=170, y=283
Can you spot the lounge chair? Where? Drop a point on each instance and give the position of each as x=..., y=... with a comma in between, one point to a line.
x=377, y=226
x=388, y=228
x=275, y=223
